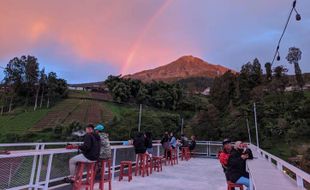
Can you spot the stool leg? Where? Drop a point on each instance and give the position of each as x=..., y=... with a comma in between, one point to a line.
x=101, y=184
x=130, y=172
x=109, y=175
x=121, y=173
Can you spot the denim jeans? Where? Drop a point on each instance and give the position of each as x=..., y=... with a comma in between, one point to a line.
x=244, y=181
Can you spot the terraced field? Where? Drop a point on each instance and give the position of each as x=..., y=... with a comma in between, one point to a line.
x=69, y=110
x=58, y=114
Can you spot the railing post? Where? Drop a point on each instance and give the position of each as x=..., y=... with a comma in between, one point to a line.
x=38, y=172
x=114, y=164
x=48, y=171
x=300, y=182
x=279, y=166
x=33, y=170
x=158, y=150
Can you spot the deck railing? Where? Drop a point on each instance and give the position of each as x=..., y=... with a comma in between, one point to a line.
x=44, y=165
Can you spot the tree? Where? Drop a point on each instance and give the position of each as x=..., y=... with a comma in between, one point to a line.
x=31, y=76
x=280, y=79
x=268, y=72
x=224, y=89
x=43, y=82
x=51, y=87
x=293, y=57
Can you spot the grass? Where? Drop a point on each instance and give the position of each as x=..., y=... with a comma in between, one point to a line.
x=21, y=122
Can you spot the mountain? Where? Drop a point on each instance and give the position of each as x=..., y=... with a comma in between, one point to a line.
x=182, y=68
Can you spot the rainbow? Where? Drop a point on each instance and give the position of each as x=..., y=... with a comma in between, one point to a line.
x=136, y=44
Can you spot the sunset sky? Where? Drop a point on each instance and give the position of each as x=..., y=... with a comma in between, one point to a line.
x=85, y=41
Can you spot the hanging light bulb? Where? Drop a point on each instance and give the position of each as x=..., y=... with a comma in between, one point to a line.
x=278, y=57
x=298, y=17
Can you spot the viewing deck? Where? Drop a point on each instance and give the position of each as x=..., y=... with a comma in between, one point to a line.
x=44, y=165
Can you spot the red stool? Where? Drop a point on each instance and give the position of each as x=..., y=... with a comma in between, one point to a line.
x=79, y=183
x=157, y=163
x=186, y=153
x=231, y=185
x=141, y=165
x=168, y=154
x=122, y=173
x=103, y=180
x=149, y=163
x=174, y=156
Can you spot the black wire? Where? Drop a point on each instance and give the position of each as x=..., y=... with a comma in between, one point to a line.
x=284, y=30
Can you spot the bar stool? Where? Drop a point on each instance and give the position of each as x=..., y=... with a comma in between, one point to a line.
x=231, y=185
x=157, y=163
x=105, y=163
x=168, y=154
x=149, y=163
x=79, y=183
x=185, y=153
x=129, y=172
x=141, y=165
x=188, y=153
x=174, y=156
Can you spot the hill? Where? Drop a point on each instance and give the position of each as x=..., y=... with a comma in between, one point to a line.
x=184, y=67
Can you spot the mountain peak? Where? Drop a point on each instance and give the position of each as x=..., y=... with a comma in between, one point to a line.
x=184, y=67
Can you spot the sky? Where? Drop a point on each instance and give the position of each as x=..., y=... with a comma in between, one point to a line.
x=85, y=41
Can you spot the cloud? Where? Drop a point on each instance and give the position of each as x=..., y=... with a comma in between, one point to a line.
x=117, y=36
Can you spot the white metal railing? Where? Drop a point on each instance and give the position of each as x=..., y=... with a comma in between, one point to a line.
x=41, y=165
x=300, y=176
x=39, y=160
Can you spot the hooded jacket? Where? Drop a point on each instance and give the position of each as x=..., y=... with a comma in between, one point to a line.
x=91, y=147
x=236, y=166
x=139, y=144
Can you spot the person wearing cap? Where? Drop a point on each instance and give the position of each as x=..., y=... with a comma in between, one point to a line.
x=105, y=148
x=90, y=151
x=224, y=155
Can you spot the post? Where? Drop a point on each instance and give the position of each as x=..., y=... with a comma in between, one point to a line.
x=114, y=164
x=33, y=170
x=182, y=123
x=140, y=114
x=48, y=172
x=247, y=124
x=158, y=150
x=256, y=128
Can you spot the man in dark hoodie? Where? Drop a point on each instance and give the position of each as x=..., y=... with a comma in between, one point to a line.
x=139, y=144
x=236, y=171
x=90, y=150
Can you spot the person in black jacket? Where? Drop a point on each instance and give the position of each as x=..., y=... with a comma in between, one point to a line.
x=139, y=143
x=236, y=170
x=90, y=150
x=149, y=143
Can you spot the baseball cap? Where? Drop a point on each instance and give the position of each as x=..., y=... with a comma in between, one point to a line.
x=99, y=127
x=226, y=141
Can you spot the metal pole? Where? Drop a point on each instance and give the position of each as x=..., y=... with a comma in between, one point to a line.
x=114, y=164
x=256, y=128
x=182, y=123
x=48, y=172
x=140, y=113
x=247, y=124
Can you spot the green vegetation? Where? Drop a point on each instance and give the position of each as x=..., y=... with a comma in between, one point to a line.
x=20, y=123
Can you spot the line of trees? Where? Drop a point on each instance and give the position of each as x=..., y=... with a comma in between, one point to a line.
x=26, y=84
x=156, y=94
x=281, y=114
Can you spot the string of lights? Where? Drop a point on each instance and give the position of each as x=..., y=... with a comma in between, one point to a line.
x=298, y=18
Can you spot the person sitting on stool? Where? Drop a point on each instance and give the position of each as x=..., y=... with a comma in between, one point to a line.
x=90, y=152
